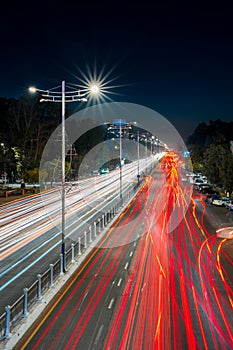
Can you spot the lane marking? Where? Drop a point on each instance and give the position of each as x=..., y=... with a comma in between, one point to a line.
x=119, y=282
x=111, y=303
x=126, y=265
x=82, y=301
x=143, y=287
x=98, y=334
x=131, y=253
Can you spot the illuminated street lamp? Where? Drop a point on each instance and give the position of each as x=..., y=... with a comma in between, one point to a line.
x=94, y=89
x=63, y=96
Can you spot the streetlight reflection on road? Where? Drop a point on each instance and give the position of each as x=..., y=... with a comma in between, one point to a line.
x=60, y=94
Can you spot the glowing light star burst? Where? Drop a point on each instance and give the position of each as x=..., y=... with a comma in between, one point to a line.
x=98, y=86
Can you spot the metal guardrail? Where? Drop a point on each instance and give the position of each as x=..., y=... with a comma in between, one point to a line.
x=20, y=309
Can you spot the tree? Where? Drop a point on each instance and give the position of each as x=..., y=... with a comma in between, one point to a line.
x=218, y=165
x=226, y=172
x=31, y=175
x=197, y=158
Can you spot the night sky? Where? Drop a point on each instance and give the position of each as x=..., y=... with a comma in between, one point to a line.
x=175, y=59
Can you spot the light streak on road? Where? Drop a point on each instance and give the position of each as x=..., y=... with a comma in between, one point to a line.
x=37, y=219
x=174, y=290
x=23, y=221
x=185, y=278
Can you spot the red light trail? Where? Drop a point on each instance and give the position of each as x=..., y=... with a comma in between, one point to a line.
x=167, y=274
x=177, y=293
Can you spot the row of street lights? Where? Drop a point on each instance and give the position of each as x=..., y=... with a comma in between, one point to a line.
x=122, y=125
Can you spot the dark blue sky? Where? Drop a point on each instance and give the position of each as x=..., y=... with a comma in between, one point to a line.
x=172, y=58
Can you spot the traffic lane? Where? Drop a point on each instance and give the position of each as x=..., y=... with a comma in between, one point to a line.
x=88, y=303
x=142, y=317
x=198, y=317
x=151, y=317
x=95, y=332
x=203, y=312
x=217, y=217
x=25, y=274
x=78, y=219
x=28, y=225
x=214, y=216
x=21, y=268
x=19, y=223
x=112, y=269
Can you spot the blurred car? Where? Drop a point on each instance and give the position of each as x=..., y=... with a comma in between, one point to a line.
x=197, y=183
x=225, y=232
x=211, y=197
x=104, y=171
x=220, y=202
x=229, y=204
x=206, y=188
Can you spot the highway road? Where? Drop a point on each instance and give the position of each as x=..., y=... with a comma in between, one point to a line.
x=160, y=279
x=30, y=229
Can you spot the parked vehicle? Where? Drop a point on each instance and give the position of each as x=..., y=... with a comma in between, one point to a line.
x=220, y=202
x=104, y=171
x=211, y=197
x=225, y=232
x=229, y=204
x=206, y=188
x=197, y=183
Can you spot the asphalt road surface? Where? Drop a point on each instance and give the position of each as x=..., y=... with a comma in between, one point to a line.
x=160, y=279
x=30, y=229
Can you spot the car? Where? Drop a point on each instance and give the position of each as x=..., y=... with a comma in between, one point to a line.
x=211, y=197
x=206, y=188
x=205, y=180
x=225, y=232
x=217, y=202
x=229, y=204
x=197, y=184
x=220, y=202
x=104, y=171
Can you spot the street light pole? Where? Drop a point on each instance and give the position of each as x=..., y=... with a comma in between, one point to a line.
x=120, y=162
x=63, y=157
x=64, y=96
x=138, y=175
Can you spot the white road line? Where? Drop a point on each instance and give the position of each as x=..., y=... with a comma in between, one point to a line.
x=131, y=253
x=119, y=282
x=98, y=334
x=110, y=304
x=126, y=265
